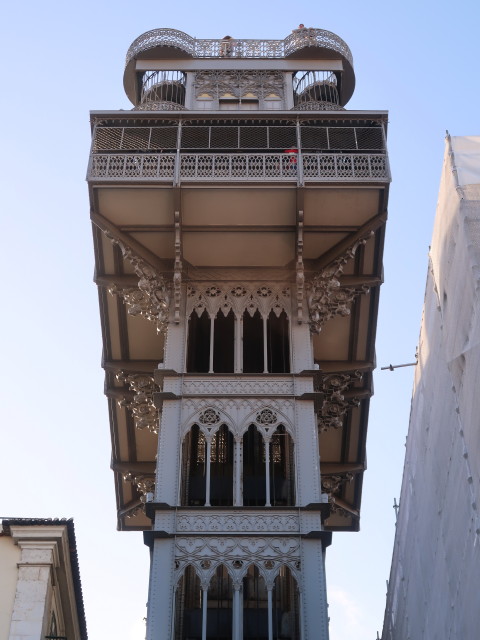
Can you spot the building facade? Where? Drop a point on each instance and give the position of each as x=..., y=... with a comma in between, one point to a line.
x=434, y=579
x=41, y=592
x=238, y=218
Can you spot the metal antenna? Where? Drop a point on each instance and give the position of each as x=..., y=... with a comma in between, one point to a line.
x=396, y=507
x=391, y=367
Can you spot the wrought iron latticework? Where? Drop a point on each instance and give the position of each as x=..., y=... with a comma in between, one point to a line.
x=240, y=48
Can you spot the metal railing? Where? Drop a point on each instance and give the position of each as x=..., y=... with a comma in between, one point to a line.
x=242, y=137
x=242, y=167
x=298, y=39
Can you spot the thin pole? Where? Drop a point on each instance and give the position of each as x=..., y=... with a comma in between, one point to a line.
x=238, y=473
x=267, y=473
x=265, y=350
x=236, y=612
x=204, y=614
x=270, y=614
x=207, y=480
x=212, y=330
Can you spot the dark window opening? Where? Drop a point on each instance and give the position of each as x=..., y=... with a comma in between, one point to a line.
x=224, y=343
x=219, y=606
x=198, y=354
x=285, y=609
x=254, y=483
x=221, y=468
x=278, y=355
x=282, y=478
x=194, y=449
x=252, y=343
x=255, y=606
x=188, y=607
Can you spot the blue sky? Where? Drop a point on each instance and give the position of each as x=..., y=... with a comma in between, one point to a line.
x=416, y=59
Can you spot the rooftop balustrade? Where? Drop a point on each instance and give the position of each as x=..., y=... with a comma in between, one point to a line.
x=233, y=48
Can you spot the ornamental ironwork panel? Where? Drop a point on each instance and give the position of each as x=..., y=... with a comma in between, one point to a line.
x=232, y=48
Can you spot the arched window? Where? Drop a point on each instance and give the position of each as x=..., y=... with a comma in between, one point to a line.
x=219, y=605
x=285, y=607
x=282, y=476
x=254, y=476
x=207, y=480
x=255, y=605
x=188, y=607
x=221, y=468
x=268, y=479
x=198, y=354
x=194, y=468
x=229, y=343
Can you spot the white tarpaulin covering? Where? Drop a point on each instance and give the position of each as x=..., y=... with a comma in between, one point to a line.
x=435, y=577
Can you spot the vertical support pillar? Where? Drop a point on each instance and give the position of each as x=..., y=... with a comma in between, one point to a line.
x=301, y=615
x=238, y=357
x=212, y=333
x=204, y=613
x=240, y=347
x=270, y=613
x=236, y=612
x=299, y=156
x=237, y=472
x=265, y=349
x=207, y=479
x=176, y=173
x=174, y=602
x=267, y=472
x=240, y=626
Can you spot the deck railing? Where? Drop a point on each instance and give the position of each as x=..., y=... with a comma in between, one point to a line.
x=239, y=167
x=233, y=48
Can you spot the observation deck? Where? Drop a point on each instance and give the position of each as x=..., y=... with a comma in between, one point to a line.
x=170, y=46
x=199, y=151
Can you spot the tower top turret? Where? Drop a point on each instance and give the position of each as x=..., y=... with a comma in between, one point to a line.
x=170, y=49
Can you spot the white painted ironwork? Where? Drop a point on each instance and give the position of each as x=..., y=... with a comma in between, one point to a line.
x=255, y=167
x=297, y=40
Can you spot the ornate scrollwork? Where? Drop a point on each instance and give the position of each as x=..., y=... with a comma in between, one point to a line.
x=267, y=417
x=144, y=411
x=209, y=417
x=237, y=553
x=145, y=484
x=239, y=83
x=333, y=484
x=151, y=300
x=335, y=405
x=327, y=298
x=231, y=296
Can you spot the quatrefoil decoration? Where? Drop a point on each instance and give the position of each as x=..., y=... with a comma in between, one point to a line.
x=212, y=292
x=209, y=417
x=264, y=292
x=266, y=416
x=239, y=292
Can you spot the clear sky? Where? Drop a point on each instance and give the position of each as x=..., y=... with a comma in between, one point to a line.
x=416, y=59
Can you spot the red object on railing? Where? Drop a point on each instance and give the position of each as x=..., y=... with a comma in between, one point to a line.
x=293, y=154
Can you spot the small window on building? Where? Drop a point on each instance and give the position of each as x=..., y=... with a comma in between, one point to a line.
x=253, y=343
x=198, y=356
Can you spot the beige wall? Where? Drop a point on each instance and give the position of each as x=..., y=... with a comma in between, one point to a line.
x=9, y=557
